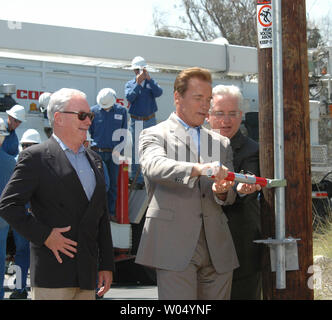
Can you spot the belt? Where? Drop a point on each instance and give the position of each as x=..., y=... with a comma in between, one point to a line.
x=143, y=118
x=102, y=149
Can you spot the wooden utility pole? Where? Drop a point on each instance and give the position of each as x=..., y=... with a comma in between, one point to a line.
x=298, y=215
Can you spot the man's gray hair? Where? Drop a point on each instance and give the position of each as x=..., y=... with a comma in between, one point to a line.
x=234, y=91
x=59, y=101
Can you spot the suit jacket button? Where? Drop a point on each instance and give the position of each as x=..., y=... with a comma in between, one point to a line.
x=203, y=195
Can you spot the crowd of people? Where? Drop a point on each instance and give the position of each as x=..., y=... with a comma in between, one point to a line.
x=199, y=230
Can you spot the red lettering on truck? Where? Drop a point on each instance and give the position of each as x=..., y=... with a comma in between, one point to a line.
x=28, y=94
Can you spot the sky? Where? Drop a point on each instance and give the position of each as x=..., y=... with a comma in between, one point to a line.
x=127, y=16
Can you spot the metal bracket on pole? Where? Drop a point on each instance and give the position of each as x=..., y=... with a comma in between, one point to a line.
x=276, y=183
x=291, y=252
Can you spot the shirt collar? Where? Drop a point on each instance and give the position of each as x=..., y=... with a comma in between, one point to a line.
x=64, y=147
x=186, y=126
x=102, y=109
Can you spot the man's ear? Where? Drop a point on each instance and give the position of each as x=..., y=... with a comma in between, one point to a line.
x=177, y=97
x=57, y=118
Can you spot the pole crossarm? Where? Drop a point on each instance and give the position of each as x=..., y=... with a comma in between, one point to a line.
x=274, y=242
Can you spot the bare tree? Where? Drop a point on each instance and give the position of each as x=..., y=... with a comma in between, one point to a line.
x=325, y=28
x=162, y=29
x=234, y=20
x=206, y=20
x=167, y=32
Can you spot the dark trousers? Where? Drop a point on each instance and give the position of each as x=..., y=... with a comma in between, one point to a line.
x=247, y=288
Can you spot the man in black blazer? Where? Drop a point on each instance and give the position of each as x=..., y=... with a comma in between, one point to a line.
x=69, y=229
x=244, y=215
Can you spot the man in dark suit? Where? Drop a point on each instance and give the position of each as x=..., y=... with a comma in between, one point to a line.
x=68, y=228
x=244, y=215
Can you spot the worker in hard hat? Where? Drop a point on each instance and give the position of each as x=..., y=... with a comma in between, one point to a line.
x=16, y=115
x=108, y=131
x=6, y=169
x=43, y=101
x=29, y=138
x=141, y=92
x=22, y=254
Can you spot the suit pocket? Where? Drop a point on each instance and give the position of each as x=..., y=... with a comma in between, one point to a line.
x=162, y=214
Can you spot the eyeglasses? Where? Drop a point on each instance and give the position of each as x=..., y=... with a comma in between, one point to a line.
x=81, y=115
x=223, y=115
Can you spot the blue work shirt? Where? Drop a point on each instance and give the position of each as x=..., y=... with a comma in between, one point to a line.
x=6, y=168
x=10, y=144
x=107, y=177
x=106, y=123
x=82, y=166
x=142, y=98
x=7, y=165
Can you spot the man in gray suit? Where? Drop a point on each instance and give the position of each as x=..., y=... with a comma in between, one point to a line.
x=244, y=214
x=186, y=236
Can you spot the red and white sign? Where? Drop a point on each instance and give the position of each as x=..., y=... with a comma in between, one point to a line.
x=28, y=94
x=264, y=24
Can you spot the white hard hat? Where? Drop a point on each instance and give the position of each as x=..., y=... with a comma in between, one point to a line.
x=17, y=112
x=106, y=98
x=30, y=136
x=3, y=128
x=138, y=63
x=44, y=99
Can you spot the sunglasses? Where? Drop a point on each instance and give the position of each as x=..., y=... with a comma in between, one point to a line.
x=81, y=115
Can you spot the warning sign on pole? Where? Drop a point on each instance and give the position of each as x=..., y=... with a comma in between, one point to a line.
x=264, y=23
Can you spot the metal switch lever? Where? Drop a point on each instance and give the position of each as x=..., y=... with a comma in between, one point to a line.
x=250, y=179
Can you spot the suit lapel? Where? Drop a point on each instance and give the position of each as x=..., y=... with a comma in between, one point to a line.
x=212, y=146
x=97, y=167
x=205, y=139
x=99, y=194
x=61, y=166
x=237, y=141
